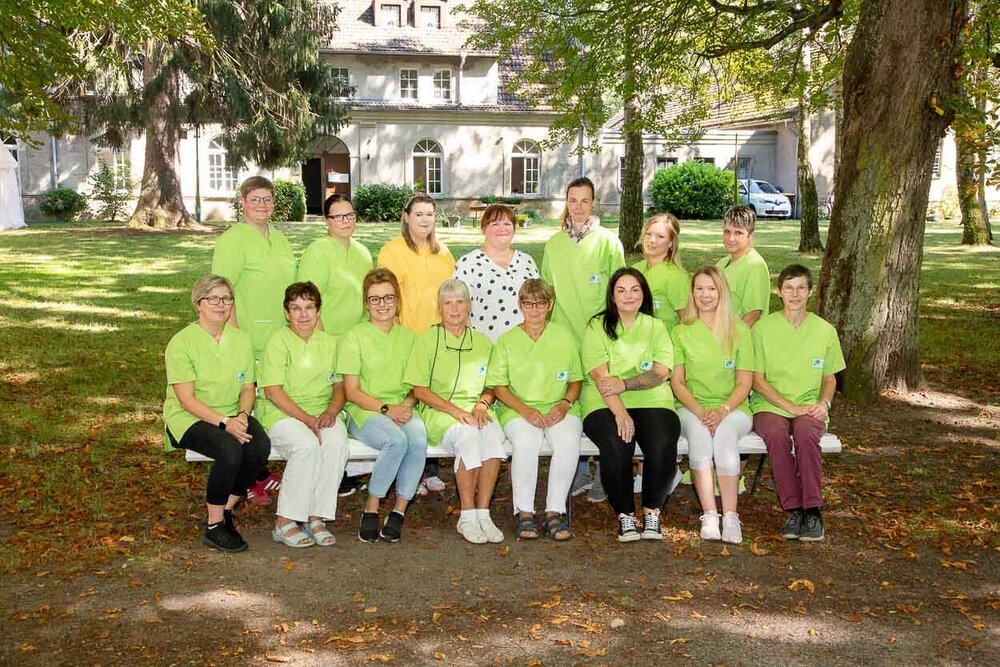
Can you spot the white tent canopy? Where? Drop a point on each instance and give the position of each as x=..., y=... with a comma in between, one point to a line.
x=11, y=210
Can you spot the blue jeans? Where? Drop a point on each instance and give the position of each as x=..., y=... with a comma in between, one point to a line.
x=402, y=451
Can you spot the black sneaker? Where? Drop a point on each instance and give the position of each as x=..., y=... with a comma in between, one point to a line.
x=368, y=530
x=392, y=530
x=812, y=526
x=229, y=519
x=793, y=525
x=220, y=536
x=627, y=528
x=651, y=526
x=348, y=485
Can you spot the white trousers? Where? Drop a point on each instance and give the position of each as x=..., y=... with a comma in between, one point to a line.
x=564, y=440
x=723, y=448
x=313, y=470
x=474, y=445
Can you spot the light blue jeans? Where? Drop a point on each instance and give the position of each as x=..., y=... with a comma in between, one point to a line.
x=402, y=452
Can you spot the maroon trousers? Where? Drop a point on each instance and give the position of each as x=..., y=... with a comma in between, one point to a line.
x=798, y=470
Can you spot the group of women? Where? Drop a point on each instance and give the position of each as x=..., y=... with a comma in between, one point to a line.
x=469, y=355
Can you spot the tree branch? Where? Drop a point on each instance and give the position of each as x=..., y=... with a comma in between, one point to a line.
x=813, y=22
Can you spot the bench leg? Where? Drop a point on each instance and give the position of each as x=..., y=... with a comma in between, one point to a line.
x=756, y=477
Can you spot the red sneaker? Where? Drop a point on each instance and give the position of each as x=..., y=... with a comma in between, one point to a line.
x=257, y=494
x=273, y=482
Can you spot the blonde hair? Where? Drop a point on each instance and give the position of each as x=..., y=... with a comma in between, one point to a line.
x=724, y=328
x=672, y=224
x=432, y=241
x=205, y=285
x=536, y=288
x=453, y=287
x=256, y=183
x=741, y=217
x=582, y=182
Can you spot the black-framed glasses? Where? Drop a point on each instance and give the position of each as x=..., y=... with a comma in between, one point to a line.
x=216, y=300
x=531, y=305
x=343, y=217
x=388, y=300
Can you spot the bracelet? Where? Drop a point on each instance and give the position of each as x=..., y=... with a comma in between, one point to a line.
x=483, y=401
x=242, y=412
x=726, y=408
x=828, y=404
x=568, y=401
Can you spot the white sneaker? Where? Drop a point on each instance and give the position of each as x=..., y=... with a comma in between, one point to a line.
x=421, y=489
x=678, y=476
x=471, y=531
x=731, y=531
x=637, y=484
x=490, y=530
x=435, y=483
x=710, y=526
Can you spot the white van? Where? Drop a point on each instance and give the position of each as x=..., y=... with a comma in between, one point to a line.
x=765, y=199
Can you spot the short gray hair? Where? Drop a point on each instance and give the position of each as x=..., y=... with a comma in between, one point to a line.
x=453, y=287
x=205, y=285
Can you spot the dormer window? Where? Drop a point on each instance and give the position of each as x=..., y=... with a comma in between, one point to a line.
x=391, y=15
x=430, y=17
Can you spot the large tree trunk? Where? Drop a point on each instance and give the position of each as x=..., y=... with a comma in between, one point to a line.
x=160, y=203
x=809, y=240
x=899, y=67
x=974, y=215
x=630, y=210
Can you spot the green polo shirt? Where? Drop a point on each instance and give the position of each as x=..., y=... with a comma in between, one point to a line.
x=710, y=371
x=537, y=372
x=260, y=268
x=338, y=272
x=379, y=360
x=794, y=360
x=453, y=368
x=306, y=370
x=632, y=354
x=579, y=274
x=749, y=283
x=218, y=370
x=670, y=286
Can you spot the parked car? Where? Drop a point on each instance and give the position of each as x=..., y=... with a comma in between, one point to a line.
x=765, y=199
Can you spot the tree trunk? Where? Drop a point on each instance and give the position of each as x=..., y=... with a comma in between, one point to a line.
x=900, y=65
x=160, y=203
x=630, y=213
x=809, y=240
x=974, y=215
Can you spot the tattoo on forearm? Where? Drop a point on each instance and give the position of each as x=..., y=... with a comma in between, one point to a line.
x=646, y=380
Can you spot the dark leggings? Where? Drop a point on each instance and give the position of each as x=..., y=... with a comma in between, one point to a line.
x=656, y=433
x=235, y=466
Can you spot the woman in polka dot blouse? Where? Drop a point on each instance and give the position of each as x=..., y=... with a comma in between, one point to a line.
x=495, y=273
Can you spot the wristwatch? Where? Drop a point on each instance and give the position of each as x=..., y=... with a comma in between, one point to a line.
x=384, y=409
x=223, y=422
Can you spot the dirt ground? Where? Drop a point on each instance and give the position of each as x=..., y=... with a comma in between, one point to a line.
x=909, y=574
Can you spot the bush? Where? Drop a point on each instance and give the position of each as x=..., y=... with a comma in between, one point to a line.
x=381, y=202
x=693, y=190
x=948, y=208
x=62, y=203
x=499, y=199
x=289, y=202
x=113, y=197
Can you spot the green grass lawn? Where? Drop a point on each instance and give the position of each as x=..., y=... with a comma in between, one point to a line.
x=87, y=309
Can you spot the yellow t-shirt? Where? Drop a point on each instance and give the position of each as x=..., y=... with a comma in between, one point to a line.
x=420, y=274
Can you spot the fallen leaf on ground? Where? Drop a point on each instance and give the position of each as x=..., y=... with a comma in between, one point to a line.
x=757, y=550
x=277, y=658
x=799, y=584
x=683, y=595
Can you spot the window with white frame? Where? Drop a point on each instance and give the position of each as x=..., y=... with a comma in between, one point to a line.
x=427, y=161
x=391, y=15
x=342, y=76
x=621, y=174
x=442, y=85
x=936, y=169
x=430, y=17
x=408, y=84
x=665, y=163
x=221, y=177
x=525, y=161
x=744, y=167
x=121, y=167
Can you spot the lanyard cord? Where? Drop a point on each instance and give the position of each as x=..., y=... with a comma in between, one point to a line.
x=437, y=346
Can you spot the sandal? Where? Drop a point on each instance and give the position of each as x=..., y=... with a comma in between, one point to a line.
x=316, y=529
x=297, y=541
x=526, y=528
x=555, y=526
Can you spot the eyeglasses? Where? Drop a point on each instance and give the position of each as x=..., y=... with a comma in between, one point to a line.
x=216, y=300
x=344, y=217
x=530, y=305
x=261, y=201
x=388, y=299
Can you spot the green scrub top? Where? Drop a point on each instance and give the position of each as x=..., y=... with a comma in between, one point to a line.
x=379, y=360
x=306, y=370
x=794, y=360
x=749, y=283
x=670, y=286
x=260, y=268
x=579, y=274
x=632, y=354
x=218, y=371
x=537, y=372
x=710, y=372
x=453, y=368
x=338, y=272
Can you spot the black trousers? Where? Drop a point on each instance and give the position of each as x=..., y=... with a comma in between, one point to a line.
x=235, y=466
x=656, y=433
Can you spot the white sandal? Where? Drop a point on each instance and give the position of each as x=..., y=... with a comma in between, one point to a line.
x=300, y=541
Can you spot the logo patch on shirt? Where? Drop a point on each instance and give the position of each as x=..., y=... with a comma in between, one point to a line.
x=818, y=363
x=562, y=376
x=656, y=304
x=595, y=278
x=330, y=376
x=482, y=369
x=645, y=365
x=729, y=363
x=241, y=376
